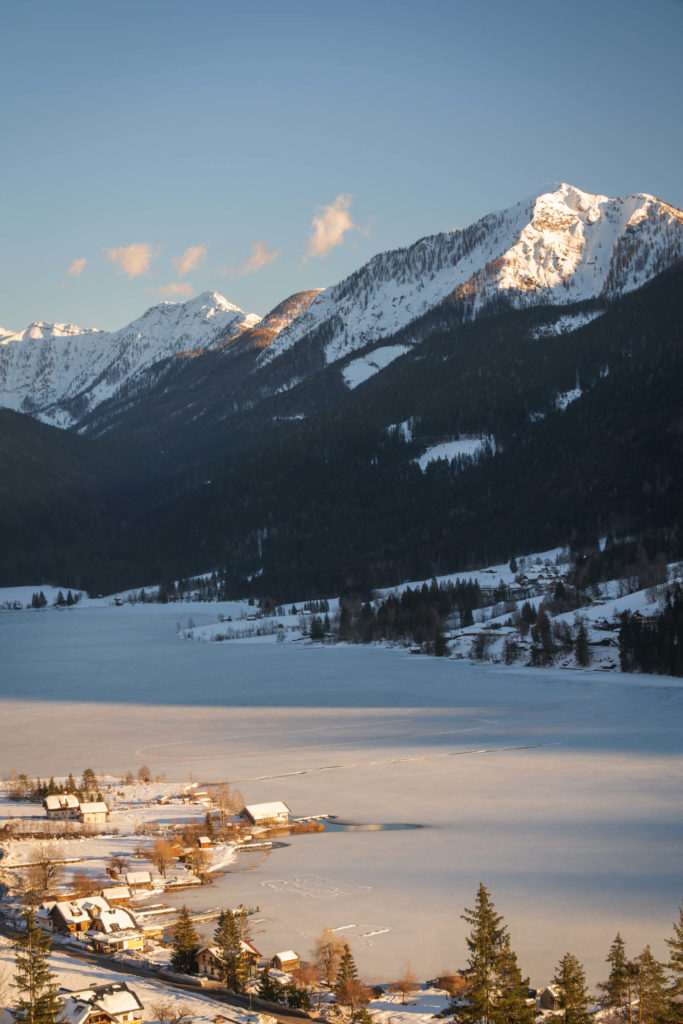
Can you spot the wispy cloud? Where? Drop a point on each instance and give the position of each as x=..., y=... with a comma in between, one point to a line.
x=260, y=256
x=329, y=227
x=132, y=259
x=76, y=268
x=177, y=289
x=190, y=259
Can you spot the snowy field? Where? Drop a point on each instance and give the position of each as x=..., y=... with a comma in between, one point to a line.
x=559, y=790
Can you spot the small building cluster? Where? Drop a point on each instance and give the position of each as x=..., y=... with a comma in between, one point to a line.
x=68, y=807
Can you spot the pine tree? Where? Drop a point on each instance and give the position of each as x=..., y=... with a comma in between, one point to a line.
x=37, y=999
x=617, y=985
x=570, y=981
x=675, y=965
x=348, y=989
x=485, y=941
x=652, y=994
x=208, y=825
x=269, y=989
x=512, y=990
x=185, y=944
x=233, y=970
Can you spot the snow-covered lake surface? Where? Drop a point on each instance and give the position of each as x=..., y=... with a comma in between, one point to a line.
x=560, y=791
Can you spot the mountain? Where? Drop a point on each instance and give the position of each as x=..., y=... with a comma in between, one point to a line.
x=485, y=392
x=58, y=372
x=558, y=247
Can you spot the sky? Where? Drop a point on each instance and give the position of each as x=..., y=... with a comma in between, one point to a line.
x=156, y=149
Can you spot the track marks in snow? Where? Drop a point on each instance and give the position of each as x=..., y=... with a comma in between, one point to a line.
x=388, y=761
x=315, y=887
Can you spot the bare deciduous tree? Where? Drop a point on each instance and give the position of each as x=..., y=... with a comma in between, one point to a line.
x=406, y=984
x=327, y=954
x=119, y=863
x=82, y=884
x=168, y=1012
x=162, y=854
x=45, y=863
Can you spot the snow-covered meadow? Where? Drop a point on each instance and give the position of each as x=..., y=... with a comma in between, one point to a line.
x=559, y=790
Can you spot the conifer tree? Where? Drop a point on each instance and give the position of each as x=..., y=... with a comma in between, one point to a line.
x=269, y=989
x=512, y=990
x=349, y=991
x=230, y=956
x=185, y=944
x=37, y=999
x=675, y=965
x=617, y=985
x=570, y=981
x=652, y=995
x=485, y=941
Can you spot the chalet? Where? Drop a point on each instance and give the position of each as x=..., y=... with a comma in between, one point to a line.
x=288, y=961
x=95, y=813
x=112, y=1003
x=276, y=813
x=115, y=942
x=61, y=805
x=208, y=959
x=76, y=915
x=116, y=895
x=204, y=843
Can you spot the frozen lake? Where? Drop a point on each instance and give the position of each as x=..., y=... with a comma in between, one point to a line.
x=560, y=791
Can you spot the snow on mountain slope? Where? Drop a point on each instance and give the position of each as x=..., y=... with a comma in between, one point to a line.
x=45, y=367
x=560, y=246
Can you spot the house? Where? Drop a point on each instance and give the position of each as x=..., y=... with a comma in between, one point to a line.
x=204, y=843
x=136, y=880
x=95, y=813
x=115, y=895
x=276, y=813
x=112, y=1003
x=61, y=805
x=208, y=959
x=550, y=998
x=288, y=961
x=113, y=919
x=76, y=915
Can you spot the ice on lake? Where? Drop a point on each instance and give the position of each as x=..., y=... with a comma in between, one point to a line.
x=560, y=791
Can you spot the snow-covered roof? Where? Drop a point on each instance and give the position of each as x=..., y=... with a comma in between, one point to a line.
x=116, y=892
x=76, y=911
x=115, y=919
x=287, y=956
x=270, y=810
x=114, y=998
x=138, y=877
x=60, y=802
x=95, y=807
x=245, y=946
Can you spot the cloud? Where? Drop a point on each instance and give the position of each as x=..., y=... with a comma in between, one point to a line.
x=178, y=288
x=132, y=259
x=329, y=227
x=190, y=259
x=260, y=256
x=76, y=268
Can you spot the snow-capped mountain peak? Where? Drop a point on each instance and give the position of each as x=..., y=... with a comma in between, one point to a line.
x=57, y=372
x=559, y=246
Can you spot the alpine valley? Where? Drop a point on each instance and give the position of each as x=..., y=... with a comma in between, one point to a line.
x=483, y=393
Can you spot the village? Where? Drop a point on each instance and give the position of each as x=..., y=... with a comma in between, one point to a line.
x=86, y=868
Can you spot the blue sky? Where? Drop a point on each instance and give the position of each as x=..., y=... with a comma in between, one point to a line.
x=160, y=148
